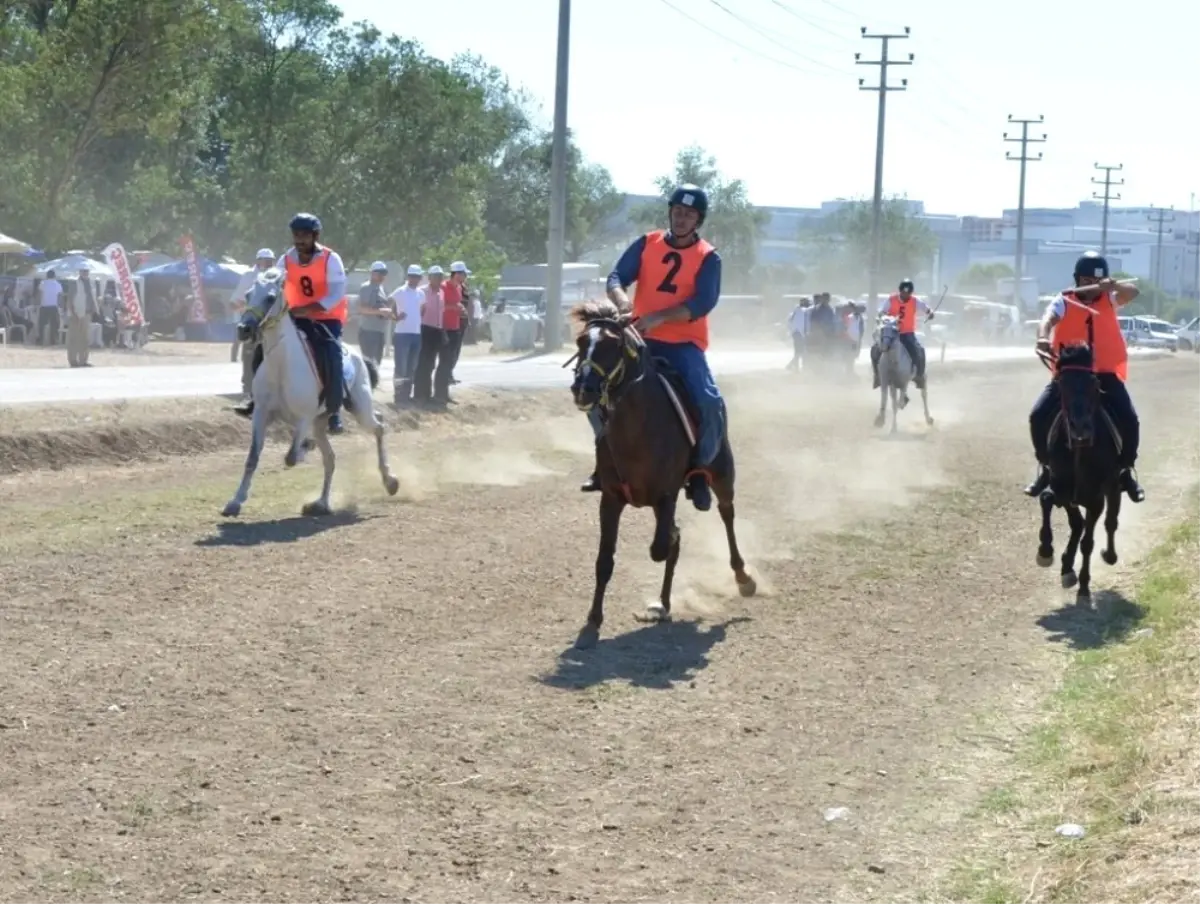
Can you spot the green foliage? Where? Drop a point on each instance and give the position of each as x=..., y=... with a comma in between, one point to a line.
x=142, y=120
x=980, y=279
x=734, y=225
x=841, y=246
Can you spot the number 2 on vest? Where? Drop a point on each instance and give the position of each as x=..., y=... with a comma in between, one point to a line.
x=675, y=259
x=306, y=286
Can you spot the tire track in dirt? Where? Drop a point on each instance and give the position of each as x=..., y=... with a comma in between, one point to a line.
x=414, y=734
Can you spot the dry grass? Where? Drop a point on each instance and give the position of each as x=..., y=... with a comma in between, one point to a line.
x=1118, y=751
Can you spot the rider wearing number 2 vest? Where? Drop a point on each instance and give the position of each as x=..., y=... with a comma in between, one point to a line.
x=678, y=276
x=904, y=306
x=1088, y=314
x=314, y=289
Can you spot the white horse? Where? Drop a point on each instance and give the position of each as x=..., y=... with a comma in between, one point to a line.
x=287, y=387
x=896, y=369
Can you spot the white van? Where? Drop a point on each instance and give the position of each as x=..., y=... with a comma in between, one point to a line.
x=1188, y=336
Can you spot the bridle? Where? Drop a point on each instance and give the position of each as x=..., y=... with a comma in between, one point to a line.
x=612, y=380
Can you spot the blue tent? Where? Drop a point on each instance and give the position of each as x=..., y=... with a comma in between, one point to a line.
x=214, y=275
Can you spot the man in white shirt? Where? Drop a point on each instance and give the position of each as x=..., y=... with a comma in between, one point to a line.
x=798, y=327
x=49, y=318
x=406, y=337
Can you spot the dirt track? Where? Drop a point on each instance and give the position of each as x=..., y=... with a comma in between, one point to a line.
x=292, y=710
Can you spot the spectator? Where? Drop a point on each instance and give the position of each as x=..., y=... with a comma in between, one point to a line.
x=433, y=339
x=798, y=327
x=456, y=318
x=49, y=318
x=406, y=338
x=374, y=313
x=822, y=325
x=79, y=319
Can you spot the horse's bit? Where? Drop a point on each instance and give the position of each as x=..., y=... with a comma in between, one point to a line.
x=633, y=346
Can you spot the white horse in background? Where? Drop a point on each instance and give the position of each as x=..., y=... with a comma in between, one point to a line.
x=896, y=370
x=287, y=387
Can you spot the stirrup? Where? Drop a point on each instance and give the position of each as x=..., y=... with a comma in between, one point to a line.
x=1040, y=484
x=591, y=485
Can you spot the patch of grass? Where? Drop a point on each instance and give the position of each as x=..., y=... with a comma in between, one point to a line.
x=1117, y=752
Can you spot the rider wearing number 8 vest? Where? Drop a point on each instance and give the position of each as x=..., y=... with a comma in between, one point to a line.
x=1088, y=314
x=314, y=289
x=678, y=276
x=904, y=307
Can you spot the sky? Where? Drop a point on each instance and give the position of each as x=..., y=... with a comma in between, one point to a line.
x=770, y=88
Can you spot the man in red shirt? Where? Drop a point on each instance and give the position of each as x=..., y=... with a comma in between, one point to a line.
x=455, y=323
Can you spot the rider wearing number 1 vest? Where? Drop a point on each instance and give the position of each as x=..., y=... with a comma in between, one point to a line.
x=1088, y=314
x=314, y=289
x=678, y=276
x=904, y=307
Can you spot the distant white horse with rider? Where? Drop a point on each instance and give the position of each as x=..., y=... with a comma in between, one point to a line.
x=288, y=387
x=896, y=371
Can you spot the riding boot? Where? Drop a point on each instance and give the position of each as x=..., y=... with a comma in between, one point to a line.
x=1039, y=485
x=697, y=490
x=1131, y=486
x=591, y=485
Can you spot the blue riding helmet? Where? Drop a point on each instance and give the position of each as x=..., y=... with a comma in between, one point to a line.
x=305, y=222
x=1091, y=264
x=692, y=196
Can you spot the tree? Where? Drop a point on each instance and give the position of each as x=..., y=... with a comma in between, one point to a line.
x=842, y=246
x=733, y=225
x=980, y=279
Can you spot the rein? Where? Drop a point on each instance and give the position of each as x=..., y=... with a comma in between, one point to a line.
x=611, y=388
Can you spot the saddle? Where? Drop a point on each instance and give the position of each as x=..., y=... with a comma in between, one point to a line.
x=681, y=400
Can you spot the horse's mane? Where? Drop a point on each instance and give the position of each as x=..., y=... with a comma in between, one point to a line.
x=598, y=309
x=1076, y=355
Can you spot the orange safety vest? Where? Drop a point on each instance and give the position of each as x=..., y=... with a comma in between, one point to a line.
x=904, y=311
x=667, y=277
x=1097, y=325
x=305, y=284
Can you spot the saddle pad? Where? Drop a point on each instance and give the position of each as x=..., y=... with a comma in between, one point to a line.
x=680, y=409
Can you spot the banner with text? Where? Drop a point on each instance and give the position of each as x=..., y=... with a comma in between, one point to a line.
x=199, y=312
x=115, y=255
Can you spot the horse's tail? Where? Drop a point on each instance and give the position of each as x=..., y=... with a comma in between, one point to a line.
x=372, y=372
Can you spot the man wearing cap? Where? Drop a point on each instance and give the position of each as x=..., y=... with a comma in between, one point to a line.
x=454, y=292
x=374, y=313
x=79, y=322
x=433, y=334
x=238, y=301
x=406, y=337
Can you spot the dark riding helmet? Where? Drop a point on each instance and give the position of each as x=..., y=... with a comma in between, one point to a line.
x=305, y=222
x=692, y=196
x=906, y=284
x=1091, y=263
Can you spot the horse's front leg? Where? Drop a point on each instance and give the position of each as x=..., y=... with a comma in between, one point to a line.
x=1083, y=596
x=746, y=584
x=1075, y=520
x=1045, y=552
x=295, y=452
x=925, y=402
x=1111, y=520
x=321, y=506
x=258, y=433
x=611, y=507
x=664, y=548
x=895, y=408
x=883, y=397
x=369, y=419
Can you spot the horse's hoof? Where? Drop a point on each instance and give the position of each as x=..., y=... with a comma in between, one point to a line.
x=309, y=444
x=747, y=587
x=1083, y=598
x=290, y=459
x=392, y=485
x=655, y=612
x=929, y=421
x=588, y=637
x=1045, y=560
x=1069, y=580
x=879, y=421
x=1110, y=558
x=232, y=509
x=316, y=508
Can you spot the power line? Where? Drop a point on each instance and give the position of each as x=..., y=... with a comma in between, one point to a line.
x=807, y=21
x=882, y=89
x=767, y=36
x=1159, y=218
x=1024, y=158
x=754, y=52
x=1107, y=198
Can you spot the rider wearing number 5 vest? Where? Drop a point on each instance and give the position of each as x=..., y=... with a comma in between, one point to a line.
x=1088, y=314
x=904, y=307
x=314, y=289
x=678, y=276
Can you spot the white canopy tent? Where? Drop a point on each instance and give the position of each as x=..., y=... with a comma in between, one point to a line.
x=9, y=245
x=68, y=267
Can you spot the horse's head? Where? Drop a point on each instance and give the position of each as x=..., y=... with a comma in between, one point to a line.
x=1079, y=390
x=267, y=294
x=889, y=331
x=605, y=347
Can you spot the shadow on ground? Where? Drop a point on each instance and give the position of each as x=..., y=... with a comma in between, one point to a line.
x=280, y=530
x=1110, y=619
x=654, y=656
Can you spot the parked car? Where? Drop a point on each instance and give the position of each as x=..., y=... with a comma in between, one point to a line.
x=1148, y=332
x=1188, y=336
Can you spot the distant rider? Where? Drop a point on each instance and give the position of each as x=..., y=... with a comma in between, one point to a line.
x=904, y=307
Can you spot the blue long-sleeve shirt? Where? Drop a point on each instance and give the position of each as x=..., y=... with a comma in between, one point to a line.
x=708, y=278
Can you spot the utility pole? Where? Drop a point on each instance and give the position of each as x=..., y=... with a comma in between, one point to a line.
x=1159, y=218
x=1025, y=141
x=882, y=89
x=1107, y=197
x=556, y=246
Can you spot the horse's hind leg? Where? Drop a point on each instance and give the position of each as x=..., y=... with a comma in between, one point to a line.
x=1111, y=519
x=882, y=416
x=1084, y=595
x=368, y=419
x=258, y=432
x=1075, y=520
x=321, y=506
x=724, y=492
x=896, y=406
x=611, y=507
x=925, y=403
x=1045, y=552
x=665, y=548
x=295, y=452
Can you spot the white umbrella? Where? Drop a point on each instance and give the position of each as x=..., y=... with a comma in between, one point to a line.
x=9, y=245
x=70, y=265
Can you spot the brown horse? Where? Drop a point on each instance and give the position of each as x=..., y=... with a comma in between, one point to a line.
x=643, y=453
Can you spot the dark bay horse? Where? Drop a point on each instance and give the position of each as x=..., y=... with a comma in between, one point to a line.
x=1084, y=470
x=643, y=453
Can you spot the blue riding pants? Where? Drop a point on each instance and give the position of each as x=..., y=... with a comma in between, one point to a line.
x=690, y=363
x=325, y=337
